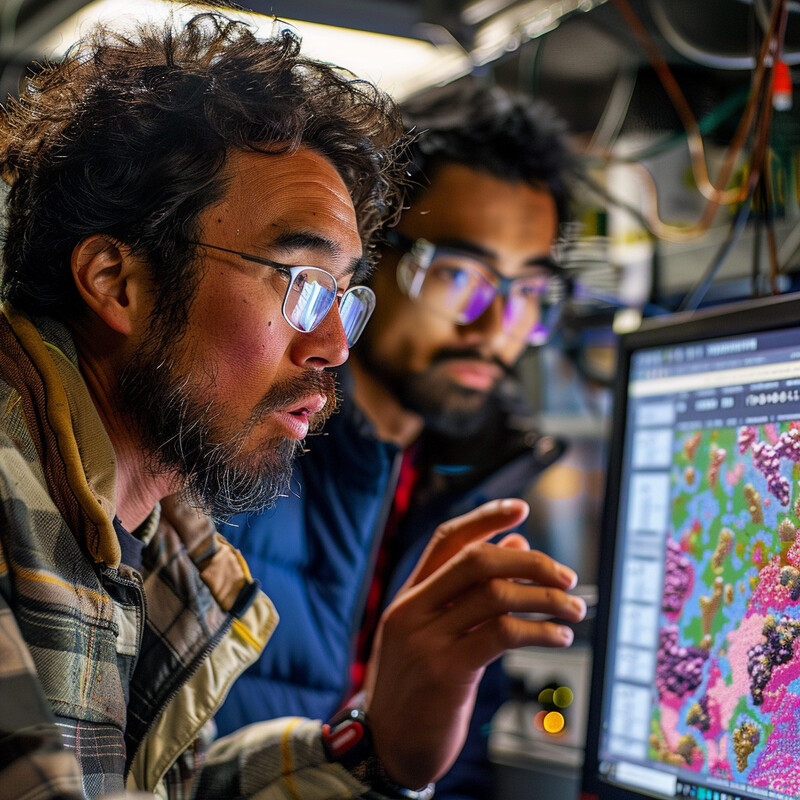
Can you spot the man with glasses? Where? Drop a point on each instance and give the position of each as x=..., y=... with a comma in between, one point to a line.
x=187, y=226
x=433, y=421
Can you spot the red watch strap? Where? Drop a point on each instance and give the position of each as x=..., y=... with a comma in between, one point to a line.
x=343, y=738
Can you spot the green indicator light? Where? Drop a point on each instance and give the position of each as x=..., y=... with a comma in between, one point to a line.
x=546, y=696
x=563, y=697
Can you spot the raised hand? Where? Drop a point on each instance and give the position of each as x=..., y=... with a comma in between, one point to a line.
x=454, y=615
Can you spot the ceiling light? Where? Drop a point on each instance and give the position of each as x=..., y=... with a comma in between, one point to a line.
x=399, y=65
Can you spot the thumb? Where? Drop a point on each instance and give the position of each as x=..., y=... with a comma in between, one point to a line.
x=514, y=541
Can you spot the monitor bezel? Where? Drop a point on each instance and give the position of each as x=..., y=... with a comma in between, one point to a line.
x=734, y=319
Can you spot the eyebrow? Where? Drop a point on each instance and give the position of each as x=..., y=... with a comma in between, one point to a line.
x=489, y=255
x=287, y=241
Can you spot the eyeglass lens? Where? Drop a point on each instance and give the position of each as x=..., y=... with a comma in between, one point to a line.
x=455, y=285
x=355, y=309
x=311, y=296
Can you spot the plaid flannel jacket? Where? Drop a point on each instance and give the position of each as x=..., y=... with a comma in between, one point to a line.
x=107, y=677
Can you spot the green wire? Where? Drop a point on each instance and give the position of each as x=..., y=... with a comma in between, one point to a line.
x=710, y=122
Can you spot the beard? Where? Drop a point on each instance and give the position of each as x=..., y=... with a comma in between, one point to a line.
x=445, y=406
x=185, y=433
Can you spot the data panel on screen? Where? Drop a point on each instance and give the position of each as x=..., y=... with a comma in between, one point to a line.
x=701, y=676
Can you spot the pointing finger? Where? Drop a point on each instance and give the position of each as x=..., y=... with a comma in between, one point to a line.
x=452, y=536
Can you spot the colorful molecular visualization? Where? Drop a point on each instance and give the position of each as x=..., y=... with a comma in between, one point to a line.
x=727, y=698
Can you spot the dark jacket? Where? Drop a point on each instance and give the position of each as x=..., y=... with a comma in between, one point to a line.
x=318, y=574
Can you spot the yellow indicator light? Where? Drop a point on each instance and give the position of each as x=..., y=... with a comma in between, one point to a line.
x=546, y=696
x=563, y=697
x=553, y=722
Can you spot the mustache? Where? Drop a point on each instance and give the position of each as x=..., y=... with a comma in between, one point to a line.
x=292, y=391
x=462, y=353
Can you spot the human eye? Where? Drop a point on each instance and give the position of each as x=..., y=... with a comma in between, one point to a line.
x=454, y=270
x=532, y=287
x=278, y=278
x=282, y=274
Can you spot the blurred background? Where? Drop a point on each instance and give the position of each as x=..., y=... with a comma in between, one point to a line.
x=684, y=113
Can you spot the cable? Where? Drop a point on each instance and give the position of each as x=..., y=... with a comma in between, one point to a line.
x=530, y=53
x=758, y=183
x=760, y=178
x=731, y=105
x=8, y=23
x=762, y=14
x=681, y=45
x=695, y=297
x=681, y=106
x=9, y=16
x=614, y=113
x=772, y=246
x=689, y=51
x=766, y=173
x=711, y=192
x=715, y=196
x=755, y=267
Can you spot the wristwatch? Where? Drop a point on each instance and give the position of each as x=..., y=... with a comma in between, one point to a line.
x=347, y=740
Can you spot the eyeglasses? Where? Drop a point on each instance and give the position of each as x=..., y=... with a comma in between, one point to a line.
x=460, y=287
x=311, y=293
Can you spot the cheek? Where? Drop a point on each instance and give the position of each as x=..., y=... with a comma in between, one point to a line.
x=243, y=346
x=511, y=352
x=411, y=336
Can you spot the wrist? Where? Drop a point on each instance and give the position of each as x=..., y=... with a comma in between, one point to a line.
x=347, y=740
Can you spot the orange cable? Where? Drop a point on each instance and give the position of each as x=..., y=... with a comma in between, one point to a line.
x=715, y=196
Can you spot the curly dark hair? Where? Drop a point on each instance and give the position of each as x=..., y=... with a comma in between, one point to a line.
x=128, y=135
x=507, y=134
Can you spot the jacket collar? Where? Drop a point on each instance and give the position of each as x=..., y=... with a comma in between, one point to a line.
x=38, y=360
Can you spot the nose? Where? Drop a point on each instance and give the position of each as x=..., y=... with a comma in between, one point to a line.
x=325, y=346
x=488, y=326
x=489, y=335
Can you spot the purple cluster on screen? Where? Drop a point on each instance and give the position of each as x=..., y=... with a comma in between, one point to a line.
x=767, y=460
x=677, y=578
x=789, y=445
x=679, y=670
x=777, y=649
x=747, y=435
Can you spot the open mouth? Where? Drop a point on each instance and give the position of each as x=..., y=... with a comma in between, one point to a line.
x=308, y=406
x=297, y=418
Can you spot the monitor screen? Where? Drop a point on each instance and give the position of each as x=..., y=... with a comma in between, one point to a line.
x=696, y=686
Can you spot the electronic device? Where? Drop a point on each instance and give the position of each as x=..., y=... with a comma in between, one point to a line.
x=696, y=680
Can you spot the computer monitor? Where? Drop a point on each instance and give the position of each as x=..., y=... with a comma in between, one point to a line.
x=696, y=681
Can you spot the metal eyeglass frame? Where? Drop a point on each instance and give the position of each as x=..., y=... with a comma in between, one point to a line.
x=293, y=271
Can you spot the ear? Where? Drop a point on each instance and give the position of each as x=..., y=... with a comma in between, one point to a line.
x=110, y=280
